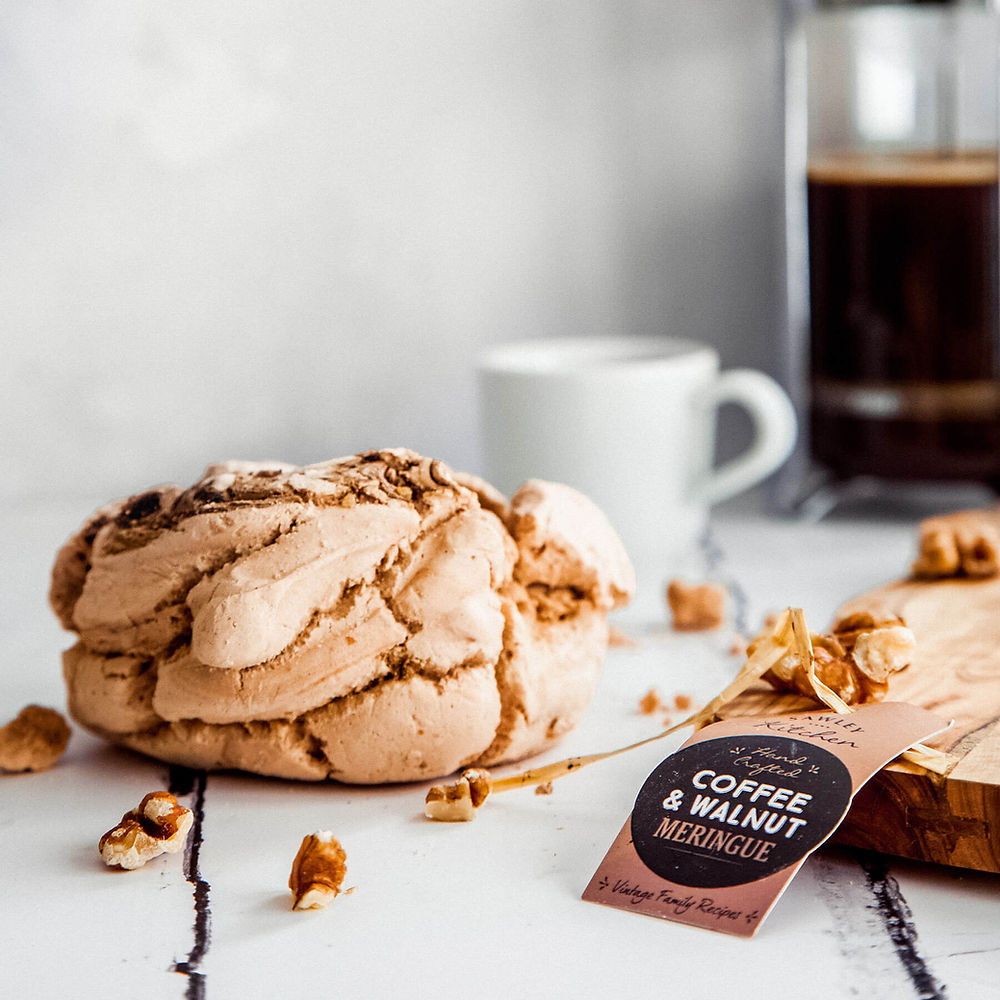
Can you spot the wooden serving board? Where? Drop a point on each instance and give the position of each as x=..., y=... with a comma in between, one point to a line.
x=952, y=819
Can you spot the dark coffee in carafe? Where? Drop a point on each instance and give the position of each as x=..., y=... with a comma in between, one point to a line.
x=905, y=315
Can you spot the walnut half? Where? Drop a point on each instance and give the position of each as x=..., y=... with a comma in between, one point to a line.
x=963, y=544
x=159, y=826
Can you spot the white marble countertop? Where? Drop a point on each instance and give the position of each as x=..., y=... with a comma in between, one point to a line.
x=485, y=909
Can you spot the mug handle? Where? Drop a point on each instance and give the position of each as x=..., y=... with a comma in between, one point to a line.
x=774, y=427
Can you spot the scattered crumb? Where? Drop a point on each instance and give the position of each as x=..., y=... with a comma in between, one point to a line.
x=682, y=702
x=770, y=620
x=650, y=702
x=545, y=788
x=696, y=607
x=738, y=646
x=616, y=637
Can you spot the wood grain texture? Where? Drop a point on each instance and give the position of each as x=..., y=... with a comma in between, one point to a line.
x=952, y=819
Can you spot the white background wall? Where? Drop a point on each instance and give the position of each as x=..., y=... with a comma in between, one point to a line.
x=285, y=229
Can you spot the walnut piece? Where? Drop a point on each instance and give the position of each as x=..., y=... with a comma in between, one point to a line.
x=33, y=741
x=317, y=871
x=459, y=802
x=160, y=825
x=696, y=607
x=855, y=659
x=963, y=544
x=884, y=651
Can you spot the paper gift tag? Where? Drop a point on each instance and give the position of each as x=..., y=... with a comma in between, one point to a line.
x=721, y=826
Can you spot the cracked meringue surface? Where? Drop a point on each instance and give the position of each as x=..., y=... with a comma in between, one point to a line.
x=376, y=618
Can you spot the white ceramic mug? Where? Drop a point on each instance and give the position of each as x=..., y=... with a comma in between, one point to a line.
x=631, y=422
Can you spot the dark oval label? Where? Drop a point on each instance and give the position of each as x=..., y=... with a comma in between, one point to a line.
x=738, y=808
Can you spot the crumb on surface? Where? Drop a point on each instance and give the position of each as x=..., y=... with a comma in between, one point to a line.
x=545, y=788
x=616, y=637
x=737, y=646
x=650, y=702
x=696, y=607
x=682, y=702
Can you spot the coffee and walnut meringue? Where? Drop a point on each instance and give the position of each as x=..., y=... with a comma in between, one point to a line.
x=370, y=619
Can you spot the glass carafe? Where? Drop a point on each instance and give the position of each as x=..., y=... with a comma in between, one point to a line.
x=892, y=224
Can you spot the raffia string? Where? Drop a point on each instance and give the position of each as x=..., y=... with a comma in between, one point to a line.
x=765, y=656
x=789, y=631
x=788, y=635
